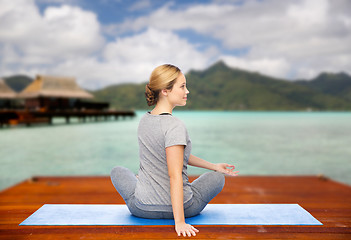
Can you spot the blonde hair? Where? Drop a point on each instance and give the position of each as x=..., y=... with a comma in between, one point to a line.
x=162, y=77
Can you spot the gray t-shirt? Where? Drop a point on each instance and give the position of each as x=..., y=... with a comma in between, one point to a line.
x=155, y=134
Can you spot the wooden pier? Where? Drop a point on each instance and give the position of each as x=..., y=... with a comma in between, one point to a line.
x=326, y=200
x=15, y=117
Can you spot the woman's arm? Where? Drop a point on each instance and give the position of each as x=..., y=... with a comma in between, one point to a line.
x=175, y=155
x=219, y=167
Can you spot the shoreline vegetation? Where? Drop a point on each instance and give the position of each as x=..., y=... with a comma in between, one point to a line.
x=221, y=88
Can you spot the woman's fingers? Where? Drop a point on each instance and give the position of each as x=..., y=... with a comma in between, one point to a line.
x=191, y=232
x=188, y=233
x=187, y=230
x=194, y=229
x=231, y=173
x=230, y=166
x=234, y=173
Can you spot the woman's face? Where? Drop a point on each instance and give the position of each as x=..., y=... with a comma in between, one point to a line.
x=178, y=95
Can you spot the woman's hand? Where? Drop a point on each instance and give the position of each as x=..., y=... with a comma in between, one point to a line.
x=185, y=229
x=226, y=168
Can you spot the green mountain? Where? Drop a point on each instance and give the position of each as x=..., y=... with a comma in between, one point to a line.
x=220, y=87
x=123, y=96
x=338, y=85
x=223, y=88
x=18, y=82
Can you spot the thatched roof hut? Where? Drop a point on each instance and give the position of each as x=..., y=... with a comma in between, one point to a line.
x=5, y=91
x=57, y=87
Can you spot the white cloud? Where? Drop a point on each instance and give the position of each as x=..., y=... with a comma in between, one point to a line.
x=140, y=5
x=271, y=67
x=302, y=32
x=296, y=39
x=65, y=40
x=61, y=33
x=131, y=59
x=73, y=29
x=56, y=1
x=308, y=13
x=155, y=46
x=16, y=22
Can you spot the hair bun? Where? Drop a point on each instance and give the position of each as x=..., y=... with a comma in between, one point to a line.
x=150, y=96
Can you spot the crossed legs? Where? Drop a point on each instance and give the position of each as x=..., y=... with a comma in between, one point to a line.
x=205, y=188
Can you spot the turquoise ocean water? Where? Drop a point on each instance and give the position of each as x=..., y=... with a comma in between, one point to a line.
x=257, y=143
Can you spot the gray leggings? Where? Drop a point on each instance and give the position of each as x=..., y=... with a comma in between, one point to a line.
x=204, y=188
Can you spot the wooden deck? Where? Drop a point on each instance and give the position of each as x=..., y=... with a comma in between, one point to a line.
x=15, y=117
x=326, y=200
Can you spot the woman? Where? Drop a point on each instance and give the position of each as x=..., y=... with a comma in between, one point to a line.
x=162, y=189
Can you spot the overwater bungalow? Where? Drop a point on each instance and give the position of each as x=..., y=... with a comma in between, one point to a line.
x=49, y=97
x=57, y=93
x=7, y=96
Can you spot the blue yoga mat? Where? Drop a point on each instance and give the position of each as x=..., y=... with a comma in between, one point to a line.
x=213, y=214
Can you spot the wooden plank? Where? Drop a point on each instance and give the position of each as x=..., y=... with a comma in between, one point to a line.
x=325, y=199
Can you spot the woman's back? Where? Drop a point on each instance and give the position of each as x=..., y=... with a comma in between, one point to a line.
x=155, y=133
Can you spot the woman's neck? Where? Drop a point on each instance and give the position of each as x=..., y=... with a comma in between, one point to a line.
x=162, y=108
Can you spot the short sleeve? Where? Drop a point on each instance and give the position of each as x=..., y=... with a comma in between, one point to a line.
x=176, y=134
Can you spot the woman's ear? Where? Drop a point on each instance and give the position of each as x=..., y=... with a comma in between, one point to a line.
x=164, y=92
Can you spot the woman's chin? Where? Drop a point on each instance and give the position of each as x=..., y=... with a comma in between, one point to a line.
x=181, y=104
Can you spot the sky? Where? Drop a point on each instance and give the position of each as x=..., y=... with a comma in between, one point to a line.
x=107, y=42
